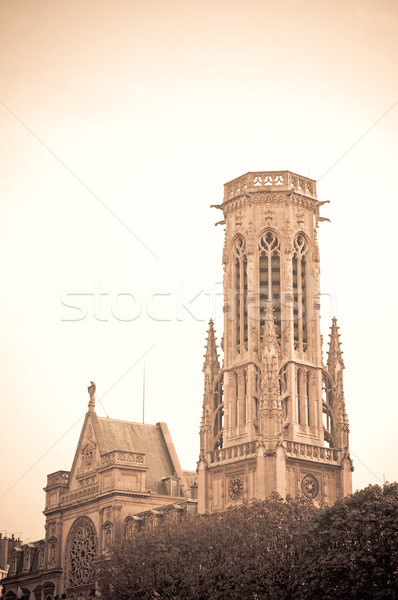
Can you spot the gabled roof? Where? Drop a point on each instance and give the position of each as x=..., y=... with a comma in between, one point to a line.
x=124, y=436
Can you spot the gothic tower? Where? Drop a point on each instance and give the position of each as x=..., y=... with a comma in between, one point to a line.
x=274, y=415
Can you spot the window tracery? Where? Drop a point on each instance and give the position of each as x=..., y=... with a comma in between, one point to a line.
x=218, y=414
x=244, y=403
x=284, y=391
x=270, y=277
x=240, y=290
x=327, y=411
x=236, y=382
x=255, y=394
x=82, y=544
x=300, y=284
x=299, y=400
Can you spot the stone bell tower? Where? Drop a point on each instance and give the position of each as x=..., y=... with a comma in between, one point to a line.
x=274, y=416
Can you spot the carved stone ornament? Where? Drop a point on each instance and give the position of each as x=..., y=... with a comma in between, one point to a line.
x=88, y=458
x=268, y=215
x=300, y=219
x=235, y=488
x=88, y=453
x=310, y=486
x=82, y=553
x=91, y=390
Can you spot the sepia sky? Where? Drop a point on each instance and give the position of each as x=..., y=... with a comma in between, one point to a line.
x=120, y=123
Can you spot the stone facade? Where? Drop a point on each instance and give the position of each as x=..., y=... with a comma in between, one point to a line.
x=124, y=475
x=274, y=416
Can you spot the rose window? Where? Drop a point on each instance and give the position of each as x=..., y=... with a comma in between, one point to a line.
x=82, y=553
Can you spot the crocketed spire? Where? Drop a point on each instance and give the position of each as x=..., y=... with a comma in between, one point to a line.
x=335, y=354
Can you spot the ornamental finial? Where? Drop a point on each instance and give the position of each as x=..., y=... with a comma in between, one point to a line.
x=91, y=390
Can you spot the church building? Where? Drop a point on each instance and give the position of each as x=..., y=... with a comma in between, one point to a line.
x=274, y=416
x=124, y=475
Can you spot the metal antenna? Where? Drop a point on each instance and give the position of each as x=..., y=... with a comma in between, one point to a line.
x=143, y=395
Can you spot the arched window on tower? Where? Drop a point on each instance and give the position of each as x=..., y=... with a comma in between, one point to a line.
x=240, y=290
x=255, y=395
x=244, y=401
x=218, y=414
x=284, y=391
x=300, y=285
x=236, y=382
x=270, y=277
x=327, y=411
x=299, y=399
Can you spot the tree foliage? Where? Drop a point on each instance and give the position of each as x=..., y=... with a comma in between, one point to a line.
x=353, y=548
x=275, y=549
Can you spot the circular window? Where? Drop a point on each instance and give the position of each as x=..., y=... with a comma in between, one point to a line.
x=310, y=486
x=235, y=488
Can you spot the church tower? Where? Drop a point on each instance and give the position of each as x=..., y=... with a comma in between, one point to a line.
x=274, y=416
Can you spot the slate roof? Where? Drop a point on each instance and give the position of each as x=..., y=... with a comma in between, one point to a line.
x=125, y=436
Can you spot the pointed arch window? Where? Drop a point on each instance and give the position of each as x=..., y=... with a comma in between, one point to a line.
x=327, y=411
x=218, y=414
x=284, y=391
x=240, y=290
x=300, y=292
x=255, y=395
x=270, y=277
x=236, y=381
x=299, y=401
x=244, y=403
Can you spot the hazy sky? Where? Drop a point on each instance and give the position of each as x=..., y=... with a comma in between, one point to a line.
x=120, y=123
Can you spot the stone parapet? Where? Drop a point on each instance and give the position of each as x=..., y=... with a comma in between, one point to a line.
x=310, y=452
x=284, y=181
x=59, y=478
x=233, y=453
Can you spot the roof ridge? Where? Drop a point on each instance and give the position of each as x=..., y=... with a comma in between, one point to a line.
x=124, y=421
